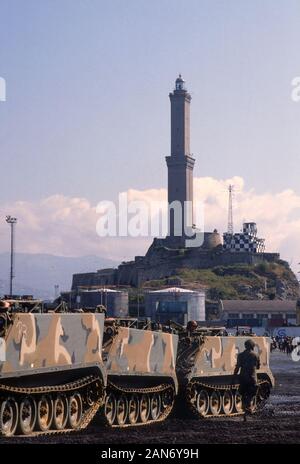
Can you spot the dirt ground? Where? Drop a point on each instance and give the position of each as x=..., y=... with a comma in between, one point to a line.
x=278, y=423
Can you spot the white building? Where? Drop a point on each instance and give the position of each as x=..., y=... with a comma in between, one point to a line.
x=176, y=304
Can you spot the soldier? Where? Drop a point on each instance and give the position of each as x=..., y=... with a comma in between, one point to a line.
x=5, y=317
x=101, y=309
x=4, y=306
x=191, y=326
x=247, y=363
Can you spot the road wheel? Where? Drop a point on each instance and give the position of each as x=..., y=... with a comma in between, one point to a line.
x=122, y=410
x=9, y=414
x=238, y=403
x=227, y=402
x=167, y=398
x=133, y=409
x=144, y=408
x=110, y=409
x=155, y=406
x=202, y=402
x=44, y=413
x=215, y=403
x=75, y=411
x=60, y=412
x=27, y=415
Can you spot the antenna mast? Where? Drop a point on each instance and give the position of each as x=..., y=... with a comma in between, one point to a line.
x=230, y=214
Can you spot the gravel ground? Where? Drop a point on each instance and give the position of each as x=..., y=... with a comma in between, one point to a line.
x=279, y=422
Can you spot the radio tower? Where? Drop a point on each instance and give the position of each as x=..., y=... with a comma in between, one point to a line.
x=230, y=214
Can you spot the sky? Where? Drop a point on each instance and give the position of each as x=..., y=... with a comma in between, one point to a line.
x=86, y=114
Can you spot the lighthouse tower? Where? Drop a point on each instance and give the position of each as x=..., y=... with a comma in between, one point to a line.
x=180, y=165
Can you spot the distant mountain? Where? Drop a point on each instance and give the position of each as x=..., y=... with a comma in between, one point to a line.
x=37, y=274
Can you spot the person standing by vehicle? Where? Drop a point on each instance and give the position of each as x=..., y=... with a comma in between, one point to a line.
x=247, y=364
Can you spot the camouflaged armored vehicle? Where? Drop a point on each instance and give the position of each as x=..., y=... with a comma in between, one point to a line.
x=141, y=368
x=55, y=376
x=205, y=364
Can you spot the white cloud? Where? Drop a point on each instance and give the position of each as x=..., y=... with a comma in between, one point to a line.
x=66, y=226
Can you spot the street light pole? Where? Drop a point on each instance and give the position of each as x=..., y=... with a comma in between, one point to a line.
x=56, y=291
x=12, y=221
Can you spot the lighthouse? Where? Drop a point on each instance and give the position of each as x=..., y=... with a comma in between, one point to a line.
x=180, y=165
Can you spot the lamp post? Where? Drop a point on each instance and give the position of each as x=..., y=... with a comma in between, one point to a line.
x=56, y=291
x=12, y=221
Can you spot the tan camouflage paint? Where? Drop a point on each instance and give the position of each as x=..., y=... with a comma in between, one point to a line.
x=142, y=352
x=218, y=355
x=93, y=352
x=170, y=356
x=41, y=341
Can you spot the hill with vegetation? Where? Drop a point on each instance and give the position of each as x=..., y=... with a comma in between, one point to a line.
x=262, y=281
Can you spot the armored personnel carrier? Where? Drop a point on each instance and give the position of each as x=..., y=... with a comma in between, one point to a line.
x=55, y=375
x=52, y=376
x=141, y=370
x=205, y=364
